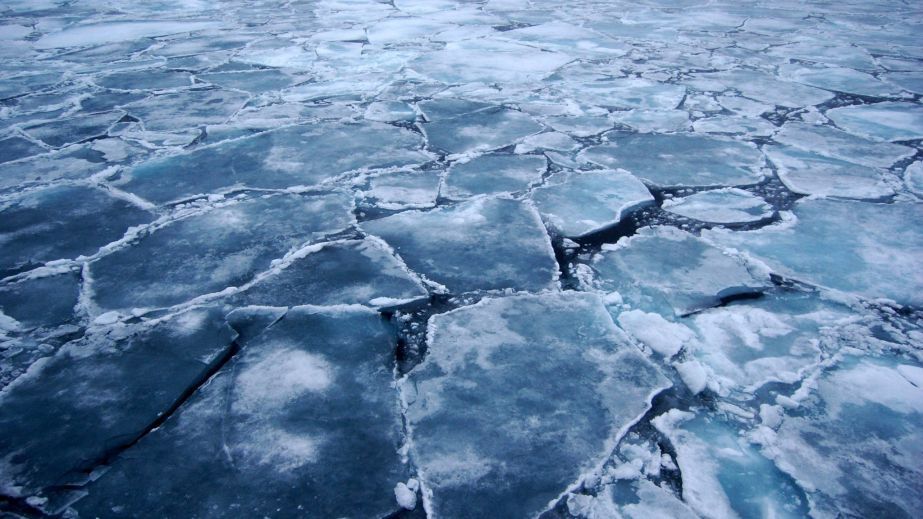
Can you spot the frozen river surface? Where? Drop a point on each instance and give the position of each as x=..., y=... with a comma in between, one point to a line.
x=497, y=258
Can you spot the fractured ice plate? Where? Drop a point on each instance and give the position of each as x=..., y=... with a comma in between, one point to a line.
x=517, y=398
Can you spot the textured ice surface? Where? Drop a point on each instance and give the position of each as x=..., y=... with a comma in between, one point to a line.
x=736, y=184
x=681, y=160
x=509, y=377
x=821, y=246
x=285, y=429
x=62, y=223
x=480, y=131
x=724, y=475
x=829, y=141
x=575, y=204
x=208, y=252
x=720, y=206
x=101, y=393
x=487, y=243
x=808, y=173
x=296, y=156
x=869, y=405
x=889, y=121
x=488, y=174
x=334, y=273
x=669, y=271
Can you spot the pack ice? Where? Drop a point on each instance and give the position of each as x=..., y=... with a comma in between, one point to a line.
x=433, y=259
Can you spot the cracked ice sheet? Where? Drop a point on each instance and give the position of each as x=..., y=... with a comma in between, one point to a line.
x=303, y=155
x=334, y=273
x=99, y=394
x=512, y=405
x=729, y=205
x=579, y=203
x=671, y=272
x=484, y=244
x=820, y=245
x=890, y=121
x=725, y=476
x=208, y=252
x=480, y=131
x=680, y=159
x=493, y=174
x=62, y=223
x=303, y=421
x=873, y=405
x=808, y=173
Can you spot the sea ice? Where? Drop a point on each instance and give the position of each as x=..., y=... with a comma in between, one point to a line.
x=62, y=222
x=681, y=160
x=208, y=252
x=854, y=444
x=730, y=205
x=821, y=246
x=480, y=131
x=579, y=203
x=889, y=121
x=100, y=393
x=828, y=141
x=495, y=173
x=808, y=173
x=303, y=155
x=509, y=377
x=335, y=273
x=302, y=421
x=671, y=272
x=484, y=244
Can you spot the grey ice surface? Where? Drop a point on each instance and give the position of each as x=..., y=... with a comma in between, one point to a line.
x=441, y=258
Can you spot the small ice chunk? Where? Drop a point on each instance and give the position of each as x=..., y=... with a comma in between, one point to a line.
x=406, y=498
x=654, y=120
x=664, y=337
x=390, y=111
x=729, y=205
x=693, y=375
x=913, y=177
x=580, y=203
x=681, y=160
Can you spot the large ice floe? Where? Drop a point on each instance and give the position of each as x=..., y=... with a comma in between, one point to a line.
x=417, y=259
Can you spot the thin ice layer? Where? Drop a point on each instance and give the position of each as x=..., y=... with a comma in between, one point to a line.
x=821, y=246
x=855, y=442
x=729, y=205
x=484, y=244
x=220, y=248
x=579, y=203
x=680, y=159
x=295, y=156
x=507, y=378
x=99, y=394
x=303, y=421
x=345, y=272
x=671, y=272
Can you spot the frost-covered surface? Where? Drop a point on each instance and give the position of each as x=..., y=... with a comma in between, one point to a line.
x=435, y=258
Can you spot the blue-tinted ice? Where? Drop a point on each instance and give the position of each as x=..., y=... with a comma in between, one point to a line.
x=442, y=258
